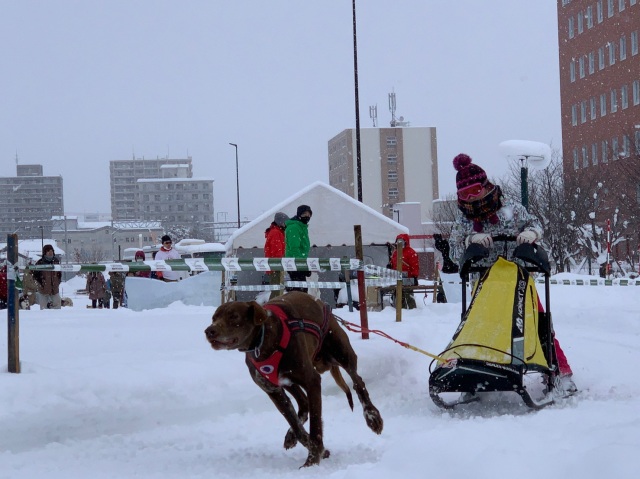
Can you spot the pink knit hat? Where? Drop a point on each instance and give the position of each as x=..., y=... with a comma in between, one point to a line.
x=468, y=173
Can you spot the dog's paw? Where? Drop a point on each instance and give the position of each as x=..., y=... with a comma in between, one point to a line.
x=373, y=418
x=290, y=439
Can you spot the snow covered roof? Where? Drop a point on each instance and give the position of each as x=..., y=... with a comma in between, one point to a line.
x=32, y=248
x=334, y=215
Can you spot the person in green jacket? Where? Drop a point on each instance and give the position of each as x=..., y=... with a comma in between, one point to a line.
x=297, y=242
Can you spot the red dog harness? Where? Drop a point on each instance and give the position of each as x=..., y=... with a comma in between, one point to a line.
x=269, y=368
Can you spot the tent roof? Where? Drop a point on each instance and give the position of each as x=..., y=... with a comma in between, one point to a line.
x=334, y=215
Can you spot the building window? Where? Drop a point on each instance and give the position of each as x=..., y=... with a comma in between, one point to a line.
x=572, y=71
x=636, y=92
x=599, y=11
x=601, y=58
x=626, y=145
x=585, y=157
x=614, y=148
x=576, y=164
x=581, y=68
x=634, y=43
x=592, y=66
x=610, y=8
x=392, y=160
x=392, y=141
x=594, y=154
x=637, y=142
x=589, y=16
x=574, y=115
x=393, y=192
x=583, y=111
x=392, y=176
x=592, y=105
x=614, y=100
x=612, y=53
x=621, y=5
x=605, y=151
x=580, y=22
x=603, y=104
x=571, y=32
x=623, y=47
x=624, y=97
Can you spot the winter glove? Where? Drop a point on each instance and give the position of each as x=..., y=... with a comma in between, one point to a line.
x=480, y=238
x=527, y=236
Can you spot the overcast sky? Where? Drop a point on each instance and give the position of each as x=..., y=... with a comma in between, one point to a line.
x=86, y=82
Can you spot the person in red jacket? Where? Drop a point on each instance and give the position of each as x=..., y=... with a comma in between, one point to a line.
x=410, y=263
x=410, y=267
x=274, y=247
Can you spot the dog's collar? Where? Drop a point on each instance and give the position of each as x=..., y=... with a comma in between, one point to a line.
x=256, y=349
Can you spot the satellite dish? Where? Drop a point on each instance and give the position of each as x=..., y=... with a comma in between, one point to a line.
x=536, y=154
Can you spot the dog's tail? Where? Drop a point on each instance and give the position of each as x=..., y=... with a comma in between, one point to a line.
x=337, y=376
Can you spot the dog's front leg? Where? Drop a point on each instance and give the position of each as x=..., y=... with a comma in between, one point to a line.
x=314, y=396
x=284, y=405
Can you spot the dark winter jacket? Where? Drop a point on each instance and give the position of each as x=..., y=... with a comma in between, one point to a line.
x=297, y=243
x=410, y=262
x=49, y=281
x=96, y=285
x=117, y=283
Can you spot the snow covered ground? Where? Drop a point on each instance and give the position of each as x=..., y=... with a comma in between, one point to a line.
x=123, y=394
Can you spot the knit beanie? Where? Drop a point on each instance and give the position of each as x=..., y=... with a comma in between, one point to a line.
x=468, y=173
x=280, y=218
x=302, y=209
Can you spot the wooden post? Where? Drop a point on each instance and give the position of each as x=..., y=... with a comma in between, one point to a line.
x=362, y=290
x=399, y=246
x=13, y=317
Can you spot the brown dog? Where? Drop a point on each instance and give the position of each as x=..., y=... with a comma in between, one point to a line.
x=289, y=343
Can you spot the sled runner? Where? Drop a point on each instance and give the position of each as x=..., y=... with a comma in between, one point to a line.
x=503, y=343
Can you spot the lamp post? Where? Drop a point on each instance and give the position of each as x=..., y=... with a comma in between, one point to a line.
x=41, y=236
x=237, y=182
x=539, y=154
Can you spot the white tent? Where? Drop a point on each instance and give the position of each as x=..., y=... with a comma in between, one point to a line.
x=334, y=215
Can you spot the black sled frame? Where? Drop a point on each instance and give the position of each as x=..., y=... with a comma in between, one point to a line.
x=471, y=376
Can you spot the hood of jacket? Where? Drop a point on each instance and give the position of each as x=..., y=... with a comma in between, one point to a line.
x=404, y=237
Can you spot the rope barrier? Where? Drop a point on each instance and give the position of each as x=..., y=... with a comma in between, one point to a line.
x=356, y=328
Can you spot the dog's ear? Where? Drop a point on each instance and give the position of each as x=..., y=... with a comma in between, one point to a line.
x=257, y=313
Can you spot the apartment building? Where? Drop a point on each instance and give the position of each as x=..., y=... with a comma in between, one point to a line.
x=124, y=175
x=600, y=92
x=176, y=201
x=398, y=165
x=28, y=201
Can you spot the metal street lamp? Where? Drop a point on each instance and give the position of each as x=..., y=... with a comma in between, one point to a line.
x=237, y=182
x=41, y=236
x=533, y=152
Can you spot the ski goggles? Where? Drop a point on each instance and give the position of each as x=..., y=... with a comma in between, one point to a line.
x=470, y=191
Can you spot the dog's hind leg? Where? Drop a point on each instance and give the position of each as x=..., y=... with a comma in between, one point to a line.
x=337, y=376
x=300, y=396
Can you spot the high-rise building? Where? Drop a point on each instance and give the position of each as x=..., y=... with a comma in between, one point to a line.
x=28, y=201
x=124, y=175
x=600, y=90
x=397, y=165
x=176, y=201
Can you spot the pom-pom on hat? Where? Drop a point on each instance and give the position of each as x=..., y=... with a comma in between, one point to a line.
x=468, y=172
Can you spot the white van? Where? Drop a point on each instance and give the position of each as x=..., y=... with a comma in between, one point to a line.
x=197, y=248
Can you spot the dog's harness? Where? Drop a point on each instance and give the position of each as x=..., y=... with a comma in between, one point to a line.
x=269, y=368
